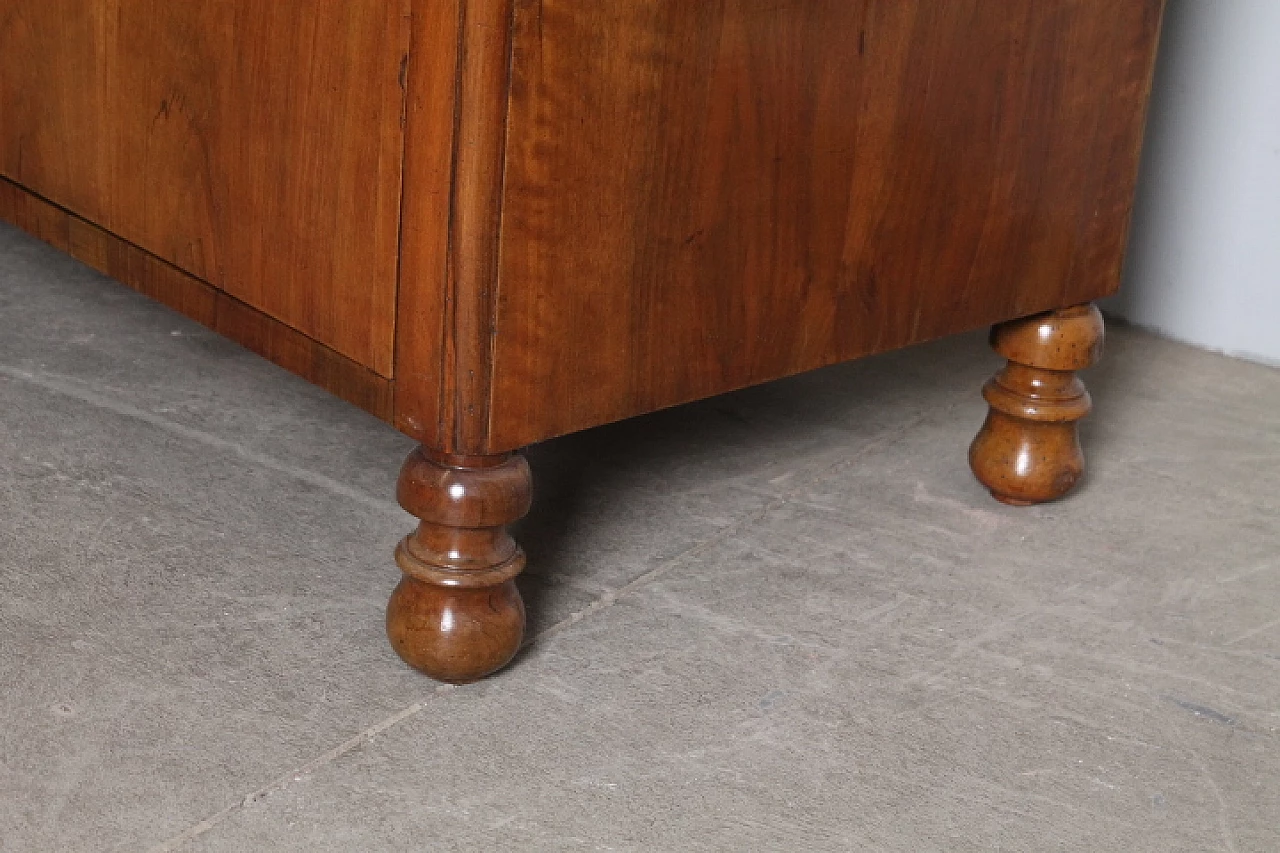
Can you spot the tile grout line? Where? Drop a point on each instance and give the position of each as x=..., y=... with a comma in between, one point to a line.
x=69, y=387
x=292, y=776
x=611, y=597
x=606, y=601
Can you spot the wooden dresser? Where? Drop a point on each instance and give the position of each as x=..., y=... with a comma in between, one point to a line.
x=492, y=222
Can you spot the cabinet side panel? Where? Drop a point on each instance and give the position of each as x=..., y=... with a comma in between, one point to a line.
x=703, y=196
x=256, y=146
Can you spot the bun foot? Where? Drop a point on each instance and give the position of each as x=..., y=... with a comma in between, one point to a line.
x=458, y=636
x=456, y=614
x=1028, y=451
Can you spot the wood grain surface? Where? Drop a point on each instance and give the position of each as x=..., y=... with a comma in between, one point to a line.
x=256, y=146
x=703, y=196
x=196, y=299
x=607, y=208
x=498, y=221
x=459, y=73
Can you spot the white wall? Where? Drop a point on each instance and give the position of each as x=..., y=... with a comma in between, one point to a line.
x=1204, y=262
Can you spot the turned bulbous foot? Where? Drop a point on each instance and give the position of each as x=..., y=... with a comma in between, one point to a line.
x=456, y=614
x=455, y=635
x=1028, y=451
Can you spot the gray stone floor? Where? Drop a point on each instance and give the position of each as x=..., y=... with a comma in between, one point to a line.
x=785, y=619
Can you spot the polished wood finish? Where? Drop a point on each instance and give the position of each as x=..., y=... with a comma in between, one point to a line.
x=165, y=283
x=456, y=614
x=256, y=146
x=702, y=196
x=607, y=208
x=423, y=329
x=454, y=283
x=497, y=221
x=1028, y=451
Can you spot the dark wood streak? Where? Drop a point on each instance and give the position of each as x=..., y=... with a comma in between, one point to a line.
x=453, y=411
x=423, y=329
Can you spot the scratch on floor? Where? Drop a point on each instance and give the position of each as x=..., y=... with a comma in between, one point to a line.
x=999, y=629
x=1252, y=632
x=1203, y=711
x=1224, y=817
x=974, y=787
x=1266, y=566
x=985, y=517
x=1224, y=822
x=68, y=387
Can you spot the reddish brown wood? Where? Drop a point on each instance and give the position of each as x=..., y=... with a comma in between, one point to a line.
x=702, y=196
x=256, y=146
x=450, y=407
x=456, y=614
x=1028, y=450
x=208, y=306
x=607, y=208
x=422, y=309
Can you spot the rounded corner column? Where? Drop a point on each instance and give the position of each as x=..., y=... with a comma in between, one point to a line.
x=456, y=614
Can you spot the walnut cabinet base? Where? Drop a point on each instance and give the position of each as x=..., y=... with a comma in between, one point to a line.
x=457, y=615
x=493, y=222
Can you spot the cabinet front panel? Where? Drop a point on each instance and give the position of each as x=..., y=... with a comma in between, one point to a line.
x=704, y=195
x=255, y=145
